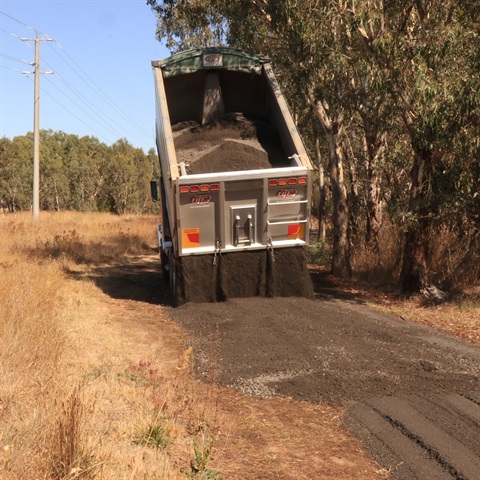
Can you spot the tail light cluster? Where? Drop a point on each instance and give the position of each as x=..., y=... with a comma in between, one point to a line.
x=212, y=187
x=282, y=182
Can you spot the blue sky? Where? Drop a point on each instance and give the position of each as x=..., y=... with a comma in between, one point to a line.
x=102, y=83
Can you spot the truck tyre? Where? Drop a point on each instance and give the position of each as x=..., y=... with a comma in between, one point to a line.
x=176, y=281
x=164, y=262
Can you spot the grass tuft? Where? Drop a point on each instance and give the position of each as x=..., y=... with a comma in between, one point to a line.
x=71, y=458
x=154, y=434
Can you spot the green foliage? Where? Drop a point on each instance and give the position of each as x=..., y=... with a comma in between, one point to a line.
x=154, y=434
x=319, y=253
x=399, y=85
x=16, y=164
x=76, y=174
x=202, y=446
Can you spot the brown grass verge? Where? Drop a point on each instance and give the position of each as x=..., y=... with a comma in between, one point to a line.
x=93, y=386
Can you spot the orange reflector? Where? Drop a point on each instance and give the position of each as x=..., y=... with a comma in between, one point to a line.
x=190, y=237
x=194, y=189
x=214, y=187
x=273, y=182
x=184, y=189
x=282, y=181
x=204, y=188
x=302, y=180
x=292, y=181
x=296, y=230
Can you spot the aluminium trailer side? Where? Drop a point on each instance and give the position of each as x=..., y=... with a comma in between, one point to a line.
x=229, y=231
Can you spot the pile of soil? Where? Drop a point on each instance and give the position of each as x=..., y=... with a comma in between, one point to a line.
x=231, y=143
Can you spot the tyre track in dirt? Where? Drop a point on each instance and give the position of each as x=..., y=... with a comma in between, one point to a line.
x=412, y=393
x=421, y=444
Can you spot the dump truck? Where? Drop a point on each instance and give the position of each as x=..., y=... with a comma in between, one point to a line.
x=235, y=179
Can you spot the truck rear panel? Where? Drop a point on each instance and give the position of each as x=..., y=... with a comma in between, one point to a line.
x=244, y=210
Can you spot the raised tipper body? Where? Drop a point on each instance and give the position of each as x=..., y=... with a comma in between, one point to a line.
x=235, y=176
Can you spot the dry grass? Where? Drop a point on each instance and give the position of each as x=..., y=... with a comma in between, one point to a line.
x=95, y=386
x=459, y=316
x=65, y=410
x=92, y=387
x=377, y=284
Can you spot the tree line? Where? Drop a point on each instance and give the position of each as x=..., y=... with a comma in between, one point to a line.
x=76, y=173
x=387, y=96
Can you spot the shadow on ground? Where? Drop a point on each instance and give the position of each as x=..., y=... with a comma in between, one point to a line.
x=138, y=278
x=326, y=287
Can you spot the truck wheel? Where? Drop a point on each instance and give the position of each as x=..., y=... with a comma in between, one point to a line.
x=164, y=263
x=176, y=283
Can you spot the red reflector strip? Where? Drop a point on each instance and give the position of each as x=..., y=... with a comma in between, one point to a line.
x=273, y=182
x=184, y=189
x=214, y=187
x=194, y=189
x=302, y=180
x=292, y=181
x=296, y=231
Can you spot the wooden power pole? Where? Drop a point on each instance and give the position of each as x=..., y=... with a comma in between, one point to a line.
x=36, y=123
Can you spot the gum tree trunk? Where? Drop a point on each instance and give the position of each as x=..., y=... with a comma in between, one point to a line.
x=414, y=273
x=341, y=265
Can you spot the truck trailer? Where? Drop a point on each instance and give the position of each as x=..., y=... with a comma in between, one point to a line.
x=235, y=179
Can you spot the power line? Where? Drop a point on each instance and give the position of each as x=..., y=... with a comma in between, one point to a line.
x=99, y=91
x=9, y=33
x=100, y=116
x=75, y=116
x=18, y=21
x=9, y=57
x=10, y=68
x=116, y=132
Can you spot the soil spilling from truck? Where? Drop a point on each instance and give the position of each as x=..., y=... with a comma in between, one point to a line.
x=230, y=143
x=245, y=274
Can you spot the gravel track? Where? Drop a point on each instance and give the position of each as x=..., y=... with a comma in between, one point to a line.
x=412, y=393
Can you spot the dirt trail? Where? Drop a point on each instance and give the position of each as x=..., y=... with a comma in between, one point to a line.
x=411, y=394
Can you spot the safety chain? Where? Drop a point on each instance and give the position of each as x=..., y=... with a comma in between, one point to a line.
x=218, y=246
x=270, y=248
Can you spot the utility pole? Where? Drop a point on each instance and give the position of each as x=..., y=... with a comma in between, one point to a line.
x=36, y=123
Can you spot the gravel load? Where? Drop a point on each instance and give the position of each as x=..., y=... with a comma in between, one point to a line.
x=231, y=143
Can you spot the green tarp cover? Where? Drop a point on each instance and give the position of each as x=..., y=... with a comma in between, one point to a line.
x=193, y=60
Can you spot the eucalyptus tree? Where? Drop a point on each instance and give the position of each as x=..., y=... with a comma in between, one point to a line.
x=54, y=184
x=16, y=167
x=395, y=86
x=429, y=51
